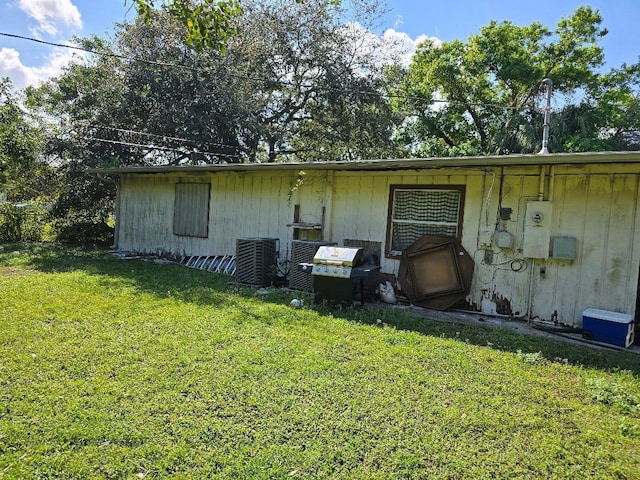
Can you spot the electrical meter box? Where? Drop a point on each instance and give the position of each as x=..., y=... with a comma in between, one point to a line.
x=504, y=239
x=537, y=230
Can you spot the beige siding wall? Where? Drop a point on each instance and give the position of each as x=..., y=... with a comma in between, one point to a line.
x=361, y=203
x=240, y=206
x=597, y=207
x=591, y=203
x=600, y=210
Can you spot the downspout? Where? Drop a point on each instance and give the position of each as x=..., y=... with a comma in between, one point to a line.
x=541, y=183
x=530, y=296
x=532, y=260
x=327, y=233
x=116, y=233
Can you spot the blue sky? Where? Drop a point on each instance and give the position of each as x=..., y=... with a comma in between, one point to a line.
x=59, y=20
x=459, y=19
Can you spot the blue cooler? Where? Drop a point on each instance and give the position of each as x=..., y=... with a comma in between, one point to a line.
x=609, y=327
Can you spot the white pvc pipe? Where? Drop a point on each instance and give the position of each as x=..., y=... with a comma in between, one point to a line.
x=547, y=118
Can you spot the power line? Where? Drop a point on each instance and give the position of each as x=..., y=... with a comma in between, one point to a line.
x=140, y=60
x=157, y=147
x=164, y=137
x=95, y=52
x=131, y=144
x=256, y=79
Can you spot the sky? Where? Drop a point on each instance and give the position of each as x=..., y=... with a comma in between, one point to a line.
x=58, y=21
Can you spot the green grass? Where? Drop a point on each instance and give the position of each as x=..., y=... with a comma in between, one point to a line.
x=129, y=369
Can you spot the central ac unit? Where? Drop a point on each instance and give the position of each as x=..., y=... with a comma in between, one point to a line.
x=256, y=260
x=303, y=251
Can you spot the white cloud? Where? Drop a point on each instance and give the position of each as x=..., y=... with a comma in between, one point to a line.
x=392, y=47
x=404, y=46
x=51, y=13
x=22, y=75
x=399, y=22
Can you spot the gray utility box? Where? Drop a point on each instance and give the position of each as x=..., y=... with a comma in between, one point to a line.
x=564, y=248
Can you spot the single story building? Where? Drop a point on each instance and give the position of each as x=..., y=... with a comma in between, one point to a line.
x=550, y=235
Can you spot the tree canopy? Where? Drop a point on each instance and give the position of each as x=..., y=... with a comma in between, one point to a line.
x=209, y=23
x=479, y=96
x=294, y=83
x=21, y=164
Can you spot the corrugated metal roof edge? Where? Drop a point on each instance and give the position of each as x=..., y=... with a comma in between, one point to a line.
x=396, y=164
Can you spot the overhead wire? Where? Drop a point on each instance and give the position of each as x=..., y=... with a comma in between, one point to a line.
x=159, y=147
x=96, y=52
x=131, y=144
x=258, y=79
x=164, y=137
x=386, y=95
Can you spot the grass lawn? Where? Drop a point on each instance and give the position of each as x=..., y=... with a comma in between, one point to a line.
x=129, y=369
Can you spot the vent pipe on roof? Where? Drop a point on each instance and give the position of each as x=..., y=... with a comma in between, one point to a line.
x=547, y=118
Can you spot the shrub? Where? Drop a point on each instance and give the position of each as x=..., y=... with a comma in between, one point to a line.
x=25, y=223
x=10, y=223
x=85, y=233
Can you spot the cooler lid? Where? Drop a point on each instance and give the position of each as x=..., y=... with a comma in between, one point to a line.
x=607, y=315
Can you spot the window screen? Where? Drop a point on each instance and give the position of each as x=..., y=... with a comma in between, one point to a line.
x=191, y=210
x=422, y=211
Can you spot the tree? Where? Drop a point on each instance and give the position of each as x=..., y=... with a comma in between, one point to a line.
x=209, y=23
x=76, y=103
x=479, y=97
x=606, y=117
x=615, y=107
x=315, y=90
x=293, y=80
x=21, y=167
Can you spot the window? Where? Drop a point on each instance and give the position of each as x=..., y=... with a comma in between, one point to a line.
x=415, y=211
x=191, y=210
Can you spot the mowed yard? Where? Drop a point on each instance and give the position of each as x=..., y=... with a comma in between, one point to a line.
x=130, y=369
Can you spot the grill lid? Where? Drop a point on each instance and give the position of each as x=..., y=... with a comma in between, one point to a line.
x=343, y=256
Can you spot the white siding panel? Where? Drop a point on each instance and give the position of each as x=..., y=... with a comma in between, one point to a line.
x=592, y=286
x=569, y=211
x=619, y=242
x=599, y=210
x=588, y=202
x=378, y=206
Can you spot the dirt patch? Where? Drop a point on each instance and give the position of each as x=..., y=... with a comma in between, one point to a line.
x=12, y=272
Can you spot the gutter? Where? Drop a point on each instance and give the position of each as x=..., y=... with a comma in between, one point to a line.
x=394, y=164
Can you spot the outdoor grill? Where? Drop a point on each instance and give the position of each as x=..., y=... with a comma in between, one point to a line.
x=334, y=269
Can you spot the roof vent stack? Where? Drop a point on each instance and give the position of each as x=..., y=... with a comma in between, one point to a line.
x=547, y=118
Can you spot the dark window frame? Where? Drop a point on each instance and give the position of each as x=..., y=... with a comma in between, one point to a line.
x=392, y=189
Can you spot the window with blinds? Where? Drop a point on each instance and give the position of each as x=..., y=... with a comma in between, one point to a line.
x=191, y=210
x=417, y=210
